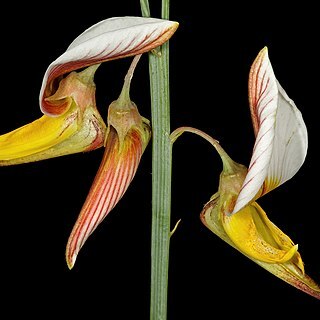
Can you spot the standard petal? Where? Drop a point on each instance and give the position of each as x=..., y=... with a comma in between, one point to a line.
x=281, y=135
x=289, y=271
x=109, y=39
x=115, y=173
x=290, y=142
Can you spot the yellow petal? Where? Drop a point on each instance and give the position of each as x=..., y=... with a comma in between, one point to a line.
x=290, y=271
x=254, y=234
x=36, y=137
x=78, y=128
x=50, y=137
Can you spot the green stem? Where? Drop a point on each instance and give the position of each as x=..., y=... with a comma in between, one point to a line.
x=145, y=8
x=165, y=9
x=161, y=173
x=229, y=166
x=161, y=185
x=124, y=96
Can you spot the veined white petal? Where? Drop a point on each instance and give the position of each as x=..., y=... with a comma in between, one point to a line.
x=290, y=143
x=109, y=39
x=263, y=97
x=281, y=135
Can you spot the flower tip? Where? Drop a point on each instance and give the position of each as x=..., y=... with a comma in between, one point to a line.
x=70, y=260
x=70, y=265
x=170, y=30
x=263, y=54
x=175, y=25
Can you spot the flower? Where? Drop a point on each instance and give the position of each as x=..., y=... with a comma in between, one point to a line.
x=279, y=151
x=80, y=128
x=127, y=137
x=71, y=122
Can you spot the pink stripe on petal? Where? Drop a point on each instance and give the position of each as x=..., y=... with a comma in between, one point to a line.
x=281, y=135
x=263, y=97
x=112, y=180
x=262, y=85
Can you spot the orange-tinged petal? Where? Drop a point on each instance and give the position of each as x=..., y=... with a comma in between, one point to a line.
x=127, y=138
x=115, y=173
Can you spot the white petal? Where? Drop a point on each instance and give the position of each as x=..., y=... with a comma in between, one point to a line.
x=109, y=39
x=291, y=140
x=281, y=135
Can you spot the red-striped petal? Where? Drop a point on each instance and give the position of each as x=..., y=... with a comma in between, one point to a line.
x=115, y=173
x=281, y=135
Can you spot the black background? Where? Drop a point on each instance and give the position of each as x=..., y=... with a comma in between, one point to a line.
x=210, y=57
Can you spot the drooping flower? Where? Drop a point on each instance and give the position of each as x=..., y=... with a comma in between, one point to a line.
x=127, y=137
x=279, y=151
x=71, y=121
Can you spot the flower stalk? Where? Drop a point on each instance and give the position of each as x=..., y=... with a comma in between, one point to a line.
x=161, y=173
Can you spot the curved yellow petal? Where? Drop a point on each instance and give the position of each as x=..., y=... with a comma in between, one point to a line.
x=254, y=234
x=290, y=271
x=50, y=137
x=36, y=136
